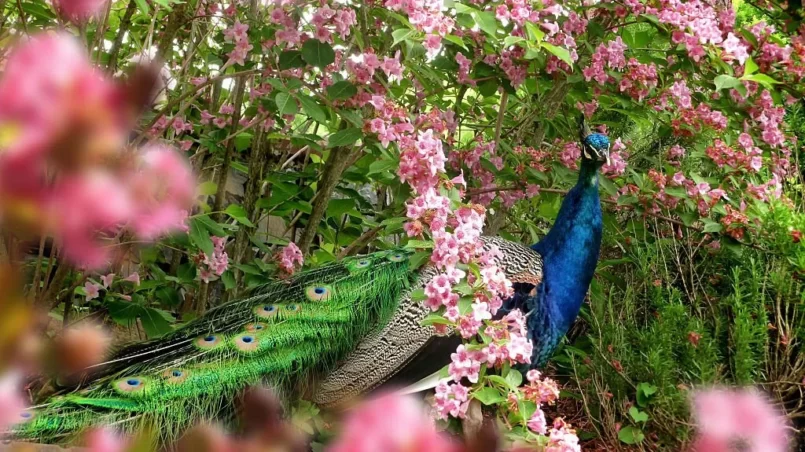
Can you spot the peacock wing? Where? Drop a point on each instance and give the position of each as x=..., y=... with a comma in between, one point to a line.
x=404, y=351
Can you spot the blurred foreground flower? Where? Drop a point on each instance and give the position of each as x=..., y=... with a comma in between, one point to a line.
x=64, y=167
x=12, y=403
x=391, y=423
x=79, y=11
x=738, y=420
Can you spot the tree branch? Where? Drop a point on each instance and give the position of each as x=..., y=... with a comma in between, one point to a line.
x=125, y=23
x=333, y=168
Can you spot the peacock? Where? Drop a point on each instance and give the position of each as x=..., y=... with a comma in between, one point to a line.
x=327, y=334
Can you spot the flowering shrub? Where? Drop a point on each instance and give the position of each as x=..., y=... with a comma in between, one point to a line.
x=360, y=126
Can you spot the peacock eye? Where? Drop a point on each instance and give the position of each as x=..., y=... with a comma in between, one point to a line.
x=318, y=292
x=208, y=342
x=246, y=343
x=174, y=375
x=397, y=257
x=265, y=311
x=130, y=385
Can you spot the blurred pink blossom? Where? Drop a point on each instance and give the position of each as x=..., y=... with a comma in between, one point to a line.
x=105, y=440
x=12, y=403
x=725, y=416
x=391, y=423
x=163, y=191
x=79, y=11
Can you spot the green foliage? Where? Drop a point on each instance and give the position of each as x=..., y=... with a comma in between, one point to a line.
x=671, y=316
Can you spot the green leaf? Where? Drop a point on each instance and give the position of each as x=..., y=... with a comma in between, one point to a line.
x=237, y=212
x=644, y=393
x=750, y=67
x=457, y=41
x=414, y=244
x=534, y=33
x=401, y=35
x=344, y=137
x=156, y=322
x=143, y=5
x=763, y=79
x=338, y=207
x=514, y=378
x=711, y=226
x=487, y=22
x=418, y=294
x=724, y=81
x=229, y=280
x=312, y=108
x=168, y=296
x=200, y=236
x=560, y=52
x=208, y=188
x=435, y=319
x=317, y=53
x=488, y=396
x=638, y=415
x=243, y=141
x=630, y=435
x=286, y=104
x=382, y=166
x=341, y=90
x=290, y=59
x=512, y=40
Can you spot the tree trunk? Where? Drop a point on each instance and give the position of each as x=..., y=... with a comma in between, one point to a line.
x=336, y=163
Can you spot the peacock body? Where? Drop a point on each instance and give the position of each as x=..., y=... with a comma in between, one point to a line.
x=330, y=333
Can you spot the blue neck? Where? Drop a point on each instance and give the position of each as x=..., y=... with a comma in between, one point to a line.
x=570, y=254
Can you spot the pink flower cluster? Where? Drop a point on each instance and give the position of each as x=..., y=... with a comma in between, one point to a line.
x=54, y=173
x=751, y=159
x=237, y=35
x=290, y=259
x=391, y=423
x=362, y=67
x=426, y=16
x=726, y=416
x=324, y=19
x=617, y=160
x=210, y=267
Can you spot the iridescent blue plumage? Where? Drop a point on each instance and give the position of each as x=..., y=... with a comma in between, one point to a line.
x=570, y=254
x=597, y=140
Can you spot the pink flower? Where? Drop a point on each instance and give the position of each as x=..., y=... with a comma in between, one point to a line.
x=134, y=277
x=79, y=11
x=105, y=440
x=12, y=403
x=726, y=415
x=291, y=259
x=107, y=280
x=164, y=190
x=92, y=290
x=537, y=422
x=210, y=267
x=390, y=423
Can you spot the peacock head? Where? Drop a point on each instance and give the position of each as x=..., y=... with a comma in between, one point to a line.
x=594, y=146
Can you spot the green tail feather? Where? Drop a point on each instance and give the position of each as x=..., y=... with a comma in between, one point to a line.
x=289, y=330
